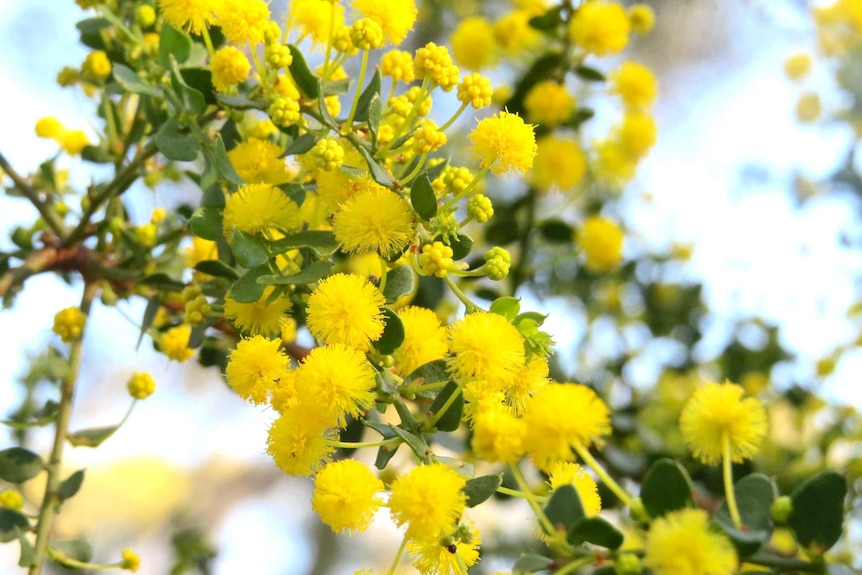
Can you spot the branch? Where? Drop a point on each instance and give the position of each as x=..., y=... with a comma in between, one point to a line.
x=51, y=218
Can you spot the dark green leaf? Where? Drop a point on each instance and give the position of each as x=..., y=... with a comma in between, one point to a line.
x=335, y=87
x=302, y=76
x=434, y=171
x=363, y=107
x=93, y=437
x=506, y=306
x=666, y=487
x=173, y=43
x=162, y=281
x=393, y=333
x=755, y=494
x=247, y=289
x=384, y=454
x=74, y=549
x=481, y=488
x=383, y=429
x=322, y=243
x=431, y=372
x=597, y=531
x=222, y=162
x=201, y=80
x=192, y=100
x=556, y=231
x=581, y=115
x=378, y=173
x=450, y=420
x=423, y=198
x=217, y=268
x=818, y=510
x=400, y=281
x=11, y=523
x=70, y=486
x=531, y=563
x=241, y=102
x=93, y=25
x=461, y=246
x=150, y=312
x=589, y=74
x=564, y=508
x=300, y=145
x=416, y=443
x=206, y=223
x=28, y=552
x=547, y=21
x=314, y=272
x=175, y=145
x=249, y=251
x=129, y=80
x=17, y=465
x=375, y=109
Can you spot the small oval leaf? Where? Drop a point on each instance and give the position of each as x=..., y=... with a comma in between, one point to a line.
x=17, y=465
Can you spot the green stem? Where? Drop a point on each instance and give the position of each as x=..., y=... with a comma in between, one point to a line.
x=779, y=563
x=413, y=389
x=50, y=216
x=423, y=92
x=521, y=494
x=208, y=41
x=362, y=69
x=445, y=407
x=406, y=178
x=584, y=454
x=730, y=494
x=531, y=499
x=574, y=564
x=454, y=117
x=358, y=444
x=471, y=307
x=397, y=556
x=75, y=564
x=51, y=499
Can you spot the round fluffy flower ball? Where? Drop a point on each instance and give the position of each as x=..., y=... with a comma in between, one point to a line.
x=504, y=144
x=549, y=103
x=187, y=15
x=601, y=240
x=345, y=496
x=600, y=28
x=258, y=207
x=374, y=219
x=635, y=84
x=229, y=67
x=429, y=500
x=257, y=162
x=573, y=474
x=395, y=17
x=705, y=552
x=298, y=441
x=485, y=345
x=562, y=416
x=346, y=309
x=498, y=435
x=717, y=410
x=560, y=163
x=255, y=366
x=473, y=44
x=424, y=339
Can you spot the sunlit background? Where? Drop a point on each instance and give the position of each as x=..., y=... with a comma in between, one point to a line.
x=724, y=177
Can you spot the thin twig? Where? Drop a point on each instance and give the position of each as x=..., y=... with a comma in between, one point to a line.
x=51, y=218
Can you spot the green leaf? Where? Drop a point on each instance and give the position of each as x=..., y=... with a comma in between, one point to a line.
x=431, y=372
x=302, y=76
x=581, y=115
x=11, y=523
x=564, y=508
x=481, y=488
x=247, y=289
x=416, y=443
x=300, y=145
x=336, y=87
x=452, y=418
x=222, y=163
x=589, y=74
x=547, y=21
x=393, y=333
x=74, y=549
x=28, y=552
x=597, y=531
x=131, y=82
x=192, y=100
x=461, y=246
x=666, y=487
x=423, y=198
x=201, y=79
x=240, y=102
x=375, y=109
x=531, y=563
x=206, y=223
x=506, y=306
x=217, y=268
x=818, y=510
x=93, y=437
x=400, y=281
x=70, y=486
x=249, y=251
x=162, y=281
x=17, y=465
x=379, y=174
x=322, y=243
x=150, y=312
x=363, y=106
x=755, y=494
x=556, y=231
x=173, y=43
x=314, y=272
x=384, y=454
